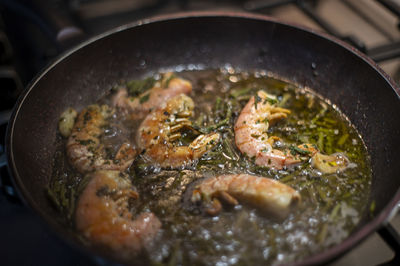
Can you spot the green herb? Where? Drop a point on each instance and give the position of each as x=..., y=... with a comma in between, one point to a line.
x=320, y=114
x=294, y=150
x=342, y=139
x=271, y=101
x=322, y=234
x=53, y=198
x=63, y=198
x=229, y=149
x=222, y=122
x=168, y=80
x=144, y=98
x=372, y=207
x=287, y=178
x=199, y=121
x=86, y=142
x=218, y=103
x=82, y=185
x=137, y=87
x=330, y=121
x=334, y=212
x=285, y=98
x=71, y=210
x=240, y=92
x=257, y=99
x=320, y=142
x=322, y=194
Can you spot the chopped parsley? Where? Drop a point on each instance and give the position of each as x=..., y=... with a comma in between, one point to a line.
x=137, y=87
x=296, y=150
x=86, y=142
x=144, y=98
x=270, y=100
x=257, y=99
x=168, y=80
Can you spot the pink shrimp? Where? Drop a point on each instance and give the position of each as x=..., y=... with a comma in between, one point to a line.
x=161, y=128
x=251, y=128
x=84, y=150
x=139, y=107
x=252, y=139
x=104, y=218
x=266, y=194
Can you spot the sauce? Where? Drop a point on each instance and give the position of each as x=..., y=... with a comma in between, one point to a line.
x=332, y=204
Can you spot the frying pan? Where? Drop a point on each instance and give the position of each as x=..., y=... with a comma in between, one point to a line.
x=350, y=80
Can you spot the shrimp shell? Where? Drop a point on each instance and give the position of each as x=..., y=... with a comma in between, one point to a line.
x=251, y=129
x=103, y=215
x=156, y=96
x=267, y=195
x=84, y=149
x=158, y=130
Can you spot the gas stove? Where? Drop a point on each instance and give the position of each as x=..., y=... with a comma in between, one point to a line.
x=33, y=32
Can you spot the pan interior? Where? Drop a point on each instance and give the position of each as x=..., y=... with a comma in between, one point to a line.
x=350, y=82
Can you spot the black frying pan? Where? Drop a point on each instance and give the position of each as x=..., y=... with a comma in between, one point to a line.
x=333, y=69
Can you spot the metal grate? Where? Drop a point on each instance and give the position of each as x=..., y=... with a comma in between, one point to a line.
x=383, y=52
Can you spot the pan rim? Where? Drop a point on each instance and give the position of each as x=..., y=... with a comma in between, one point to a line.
x=329, y=254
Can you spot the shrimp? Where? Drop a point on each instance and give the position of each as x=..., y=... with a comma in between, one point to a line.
x=252, y=139
x=139, y=107
x=161, y=128
x=265, y=194
x=104, y=218
x=84, y=149
x=251, y=128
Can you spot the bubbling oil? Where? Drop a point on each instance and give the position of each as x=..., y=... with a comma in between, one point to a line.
x=332, y=204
